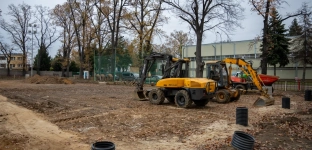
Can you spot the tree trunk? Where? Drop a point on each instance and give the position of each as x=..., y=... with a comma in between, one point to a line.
x=24, y=63
x=265, y=40
x=8, y=70
x=275, y=70
x=38, y=59
x=304, y=71
x=199, y=63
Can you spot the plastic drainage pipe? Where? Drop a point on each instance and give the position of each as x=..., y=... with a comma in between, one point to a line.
x=242, y=141
x=103, y=145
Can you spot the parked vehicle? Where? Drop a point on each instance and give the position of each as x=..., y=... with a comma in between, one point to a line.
x=243, y=81
x=126, y=76
x=175, y=85
x=136, y=75
x=153, y=78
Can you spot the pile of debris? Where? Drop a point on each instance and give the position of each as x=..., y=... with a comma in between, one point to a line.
x=36, y=79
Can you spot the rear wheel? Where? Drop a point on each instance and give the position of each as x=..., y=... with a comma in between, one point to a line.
x=201, y=102
x=170, y=99
x=182, y=99
x=223, y=96
x=156, y=96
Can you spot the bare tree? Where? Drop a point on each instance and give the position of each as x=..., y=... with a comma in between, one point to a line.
x=207, y=15
x=61, y=17
x=80, y=16
x=100, y=33
x=264, y=8
x=112, y=11
x=18, y=28
x=47, y=33
x=143, y=17
x=7, y=52
x=302, y=44
x=177, y=40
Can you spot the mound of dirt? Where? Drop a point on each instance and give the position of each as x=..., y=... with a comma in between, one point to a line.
x=36, y=79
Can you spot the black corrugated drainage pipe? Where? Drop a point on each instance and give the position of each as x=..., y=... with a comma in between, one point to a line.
x=103, y=145
x=242, y=116
x=286, y=102
x=242, y=141
x=307, y=95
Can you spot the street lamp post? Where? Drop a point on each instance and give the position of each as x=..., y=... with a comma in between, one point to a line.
x=221, y=44
x=215, y=51
x=32, y=48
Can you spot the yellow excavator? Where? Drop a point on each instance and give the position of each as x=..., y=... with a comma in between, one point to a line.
x=265, y=99
x=175, y=86
x=217, y=70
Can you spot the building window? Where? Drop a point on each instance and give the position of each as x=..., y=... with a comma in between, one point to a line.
x=19, y=58
x=19, y=65
x=2, y=58
x=12, y=65
x=2, y=65
x=12, y=58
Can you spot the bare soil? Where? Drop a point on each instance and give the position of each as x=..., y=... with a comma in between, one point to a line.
x=45, y=115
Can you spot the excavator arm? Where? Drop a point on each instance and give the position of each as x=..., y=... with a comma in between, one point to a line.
x=148, y=62
x=171, y=63
x=241, y=63
x=265, y=99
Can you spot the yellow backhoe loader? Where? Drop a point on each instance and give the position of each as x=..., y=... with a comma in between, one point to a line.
x=175, y=85
x=217, y=70
x=265, y=99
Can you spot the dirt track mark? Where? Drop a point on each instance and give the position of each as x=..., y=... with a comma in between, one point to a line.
x=28, y=129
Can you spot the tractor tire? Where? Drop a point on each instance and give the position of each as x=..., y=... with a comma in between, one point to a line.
x=234, y=99
x=201, y=103
x=156, y=96
x=241, y=87
x=182, y=99
x=223, y=96
x=170, y=99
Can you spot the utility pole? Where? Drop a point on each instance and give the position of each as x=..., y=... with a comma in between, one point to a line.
x=221, y=44
x=32, y=48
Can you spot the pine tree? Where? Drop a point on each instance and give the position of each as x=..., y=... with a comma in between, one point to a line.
x=279, y=44
x=302, y=45
x=294, y=28
x=57, y=62
x=43, y=60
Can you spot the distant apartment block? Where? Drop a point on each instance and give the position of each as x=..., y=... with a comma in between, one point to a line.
x=16, y=61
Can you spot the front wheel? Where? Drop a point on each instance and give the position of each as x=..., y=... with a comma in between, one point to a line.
x=242, y=88
x=156, y=96
x=236, y=96
x=222, y=96
x=182, y=99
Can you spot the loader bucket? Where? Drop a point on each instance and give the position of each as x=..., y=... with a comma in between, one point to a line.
x=140, y=95
x=264, y=101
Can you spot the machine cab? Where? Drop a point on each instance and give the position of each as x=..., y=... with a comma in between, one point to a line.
x=216, y=70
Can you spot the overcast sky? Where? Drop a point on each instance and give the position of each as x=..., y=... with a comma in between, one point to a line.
x=252, y=24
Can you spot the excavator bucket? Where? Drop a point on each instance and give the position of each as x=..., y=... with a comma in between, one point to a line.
x=264, y=101
x=140, y=95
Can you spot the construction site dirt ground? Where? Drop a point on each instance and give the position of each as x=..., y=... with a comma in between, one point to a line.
x=73, y=115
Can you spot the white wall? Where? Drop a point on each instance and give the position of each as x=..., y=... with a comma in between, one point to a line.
x=242, y=49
